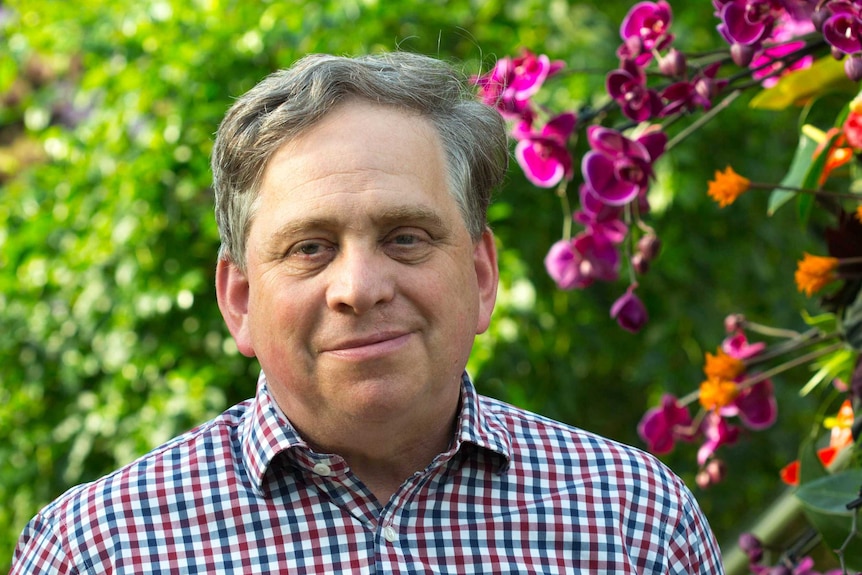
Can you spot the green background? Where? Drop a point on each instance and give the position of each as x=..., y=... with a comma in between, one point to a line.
x=110, y=338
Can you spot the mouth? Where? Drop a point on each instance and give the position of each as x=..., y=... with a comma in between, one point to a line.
x=368, y=347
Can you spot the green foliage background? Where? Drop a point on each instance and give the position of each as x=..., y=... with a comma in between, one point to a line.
x=110, y=338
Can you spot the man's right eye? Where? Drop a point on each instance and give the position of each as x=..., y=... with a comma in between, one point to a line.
x=309, y=248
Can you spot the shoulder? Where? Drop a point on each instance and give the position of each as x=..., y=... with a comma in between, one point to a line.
x=88, y=512
x=608, y=468
x=604, y=478
x=566, y=443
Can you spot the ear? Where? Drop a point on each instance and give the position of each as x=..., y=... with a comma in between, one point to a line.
x=232, y=292
x=487, y=277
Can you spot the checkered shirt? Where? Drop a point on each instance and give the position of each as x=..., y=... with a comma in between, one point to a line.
x=516, y=493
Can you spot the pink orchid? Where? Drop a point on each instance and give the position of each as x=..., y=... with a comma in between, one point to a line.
x=513, y=81
x=718, y=432
x=649, y=24
x=544, y=156
x=755, y=406
x=591, y=255
x=661, y=426
x=627, y=86
x=618, y=169
x=736, y=345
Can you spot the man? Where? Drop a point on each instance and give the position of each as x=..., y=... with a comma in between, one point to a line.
x=356, y=265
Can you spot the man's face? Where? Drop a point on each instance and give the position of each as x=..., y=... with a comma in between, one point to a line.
x=364, y=290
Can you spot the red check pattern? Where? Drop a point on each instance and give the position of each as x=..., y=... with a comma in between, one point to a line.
x=516, y=493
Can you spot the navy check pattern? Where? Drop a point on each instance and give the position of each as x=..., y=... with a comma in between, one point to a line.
x=515, y=493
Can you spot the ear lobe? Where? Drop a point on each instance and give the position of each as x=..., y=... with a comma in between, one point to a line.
x=232, y=292
x=487, y=277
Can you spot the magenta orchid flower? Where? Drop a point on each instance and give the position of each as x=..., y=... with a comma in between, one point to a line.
x=717, y=432
x=746, y=22
x=689, y=95
x=593, y=209
x=627, y=86
x=737, y=346
x=513, y=81
x=768, y=65
x=755, y=406
x=618, y=169
x=544, y=156
x=648, y=24
x=662, y=426
x=591, y=255
x=843, y=29
x=629, y=311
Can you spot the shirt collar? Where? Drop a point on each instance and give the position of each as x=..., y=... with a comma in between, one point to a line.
x=265, y=432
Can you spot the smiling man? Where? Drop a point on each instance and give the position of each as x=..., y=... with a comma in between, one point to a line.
x=357, y=266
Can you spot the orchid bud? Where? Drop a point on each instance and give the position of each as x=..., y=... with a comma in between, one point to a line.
x=751, y=546
x=629, y=311
x=702, y=479
x=741, y=54
x=853, y=67
x=640, y=263
x=734, y=322
x=649, y=246
x=820, y=16
x=673, y=64
x=717, y=470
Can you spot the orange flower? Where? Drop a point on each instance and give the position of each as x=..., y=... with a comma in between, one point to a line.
x=722, y=366
x=727, y=186
x=716, y=393
x=841, y=435
x=859, y=213
x=840, y=438
x=839, y=154
x=814, y=272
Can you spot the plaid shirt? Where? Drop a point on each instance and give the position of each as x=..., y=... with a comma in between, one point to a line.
x=516, y=493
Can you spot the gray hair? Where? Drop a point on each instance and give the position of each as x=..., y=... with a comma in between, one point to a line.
x=288, y=102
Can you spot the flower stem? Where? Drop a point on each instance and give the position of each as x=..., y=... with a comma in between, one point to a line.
x=567, y=210
x=810, y=337
x=697, y=124
x=771, y=331
x=849, y=195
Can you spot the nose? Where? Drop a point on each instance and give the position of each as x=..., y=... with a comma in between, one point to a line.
x=360, y=278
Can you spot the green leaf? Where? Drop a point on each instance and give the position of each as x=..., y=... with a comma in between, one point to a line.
x=822, y=76
x=824, y=502
x=802, y=160
x=837, y=364
x=810, y=467
x=826, y=322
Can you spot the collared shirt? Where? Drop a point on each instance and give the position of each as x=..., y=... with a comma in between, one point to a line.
x=515, y=493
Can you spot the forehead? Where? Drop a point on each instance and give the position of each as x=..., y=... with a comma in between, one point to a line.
x=391, y=156
x=358, y=134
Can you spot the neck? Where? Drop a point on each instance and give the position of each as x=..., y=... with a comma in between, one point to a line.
x=384, y=454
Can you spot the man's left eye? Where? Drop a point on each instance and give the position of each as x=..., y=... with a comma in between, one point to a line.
x=406, y=239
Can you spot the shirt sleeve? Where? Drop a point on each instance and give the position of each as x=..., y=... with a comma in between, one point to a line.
x=693, y=545
x=39, y=551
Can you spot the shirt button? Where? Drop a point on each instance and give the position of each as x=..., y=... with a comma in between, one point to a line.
x=323, y=470
x=389, y=533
